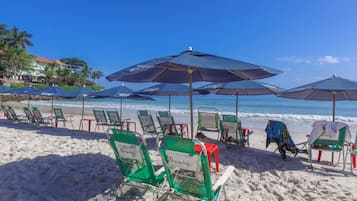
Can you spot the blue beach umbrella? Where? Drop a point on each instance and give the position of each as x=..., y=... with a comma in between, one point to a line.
x=239, y=88
x=331, y=89
x=191, y=66
x=167, y=90
x=29, y=90
x=4, y=89
x=120, y=92
x=50, y=91
x=80, y=93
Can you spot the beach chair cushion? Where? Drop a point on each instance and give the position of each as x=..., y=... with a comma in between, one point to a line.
x=133, y=158
x=167, y=123
x=208, y=120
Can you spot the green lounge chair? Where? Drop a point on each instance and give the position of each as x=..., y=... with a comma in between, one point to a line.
x=29, y=116
x=187, y=171
x=147, y=124
x=133, y=159
x=167, y=124
x=11, y=114
x=231, y=130
x=59, y=117
x=208, y=120
x=100, y=118
x=331, y=143
x=39, y=119
x=114, y=119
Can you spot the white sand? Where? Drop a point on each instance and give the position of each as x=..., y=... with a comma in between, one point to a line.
x=38, y=163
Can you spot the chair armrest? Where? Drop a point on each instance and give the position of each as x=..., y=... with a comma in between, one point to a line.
x=223, y=178
x=159, y=171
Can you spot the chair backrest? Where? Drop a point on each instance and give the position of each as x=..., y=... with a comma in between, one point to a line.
x=146, y=122
x=208, y=119
x=278, y=132
x=8, y=114
x=29, y=115
x=166, y=122
x=187, y=170
x=37, y=115
x=133, y=158
x=330, y=139
x=100, y=116
x=58, y=113
x=114, y=117
x=231, y=128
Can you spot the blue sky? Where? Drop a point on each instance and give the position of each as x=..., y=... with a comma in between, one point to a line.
x=308, y=40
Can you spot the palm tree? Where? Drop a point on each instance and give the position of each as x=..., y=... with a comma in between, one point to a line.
x=17, y=59
x=3, y=34
x=18, y=39
x=96, y=75
x=50, y=73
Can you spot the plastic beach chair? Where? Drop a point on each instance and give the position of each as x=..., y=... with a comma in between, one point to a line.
x=100, y=118
x=59, y=117
x=29, y=116
x=231, y=130
x=39, y=119
x=277, y=132
x=11, y=115
x=133, y=159
x=114, y=118
x=208, y=120
x=147, y=124
x=329, y=141
x=168, y=126
x=188, y=171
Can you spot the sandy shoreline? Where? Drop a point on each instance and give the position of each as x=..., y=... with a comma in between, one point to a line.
x=39, y=163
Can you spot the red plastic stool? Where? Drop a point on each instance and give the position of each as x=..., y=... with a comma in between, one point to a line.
x=211, y=149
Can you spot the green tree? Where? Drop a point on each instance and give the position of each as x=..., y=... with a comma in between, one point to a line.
x=17, y=59
x=18, y=39
x=96, y=75
x=3, y=35
x=50, y=73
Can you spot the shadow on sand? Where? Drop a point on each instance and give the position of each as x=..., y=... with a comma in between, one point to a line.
x=54, y=177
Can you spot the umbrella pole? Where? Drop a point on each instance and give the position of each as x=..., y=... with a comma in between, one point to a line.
x=28, y=102
x=169, y=103
x=191, y=109
x=121, y=109
x=333, y=106
x=82, y=107
x=237, y=105
x=52, y=106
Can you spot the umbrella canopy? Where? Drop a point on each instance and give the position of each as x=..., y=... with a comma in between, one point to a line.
x=25, y=90
x=239, y=88
x=331, y=89
x=191, y=66
x=77, y=94
x=167, y=90
x=4, y=89
x=120, y=92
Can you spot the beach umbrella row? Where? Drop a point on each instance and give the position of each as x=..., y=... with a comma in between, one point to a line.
x=331, y=89
x=240, y=88
x=192, y=66
x=169, y=90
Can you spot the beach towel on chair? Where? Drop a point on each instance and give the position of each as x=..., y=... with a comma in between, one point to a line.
x=277, y=132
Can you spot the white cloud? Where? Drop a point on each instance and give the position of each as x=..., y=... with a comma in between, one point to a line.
x=320, y=60
x=328, y=60
x=295, y=59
